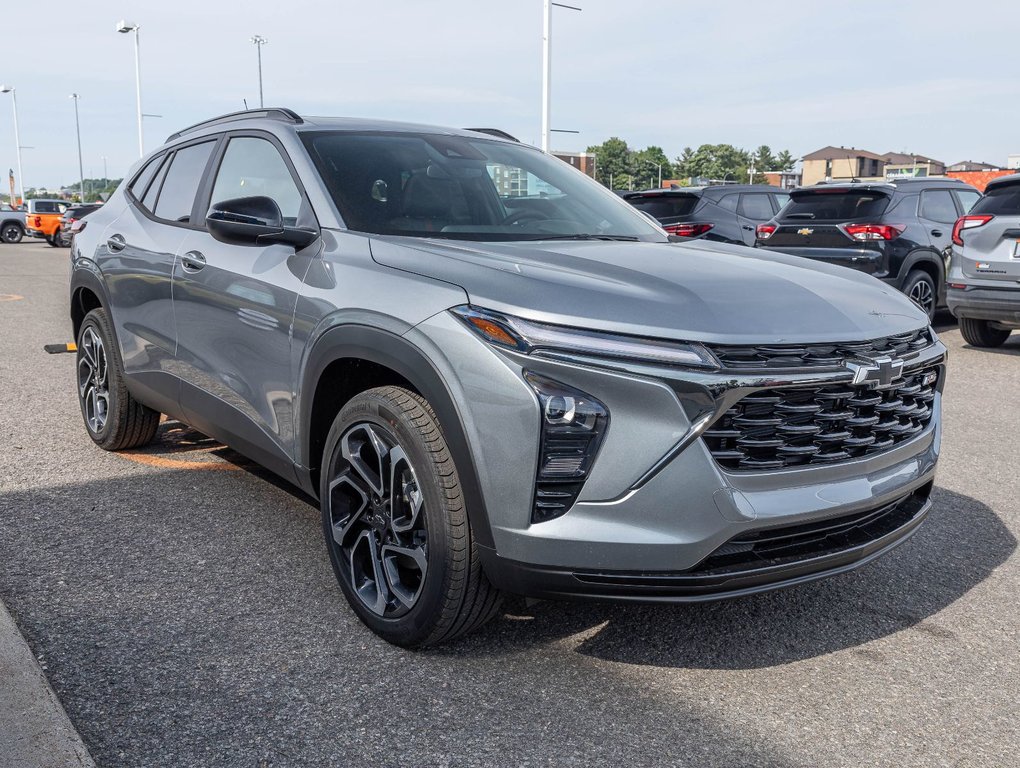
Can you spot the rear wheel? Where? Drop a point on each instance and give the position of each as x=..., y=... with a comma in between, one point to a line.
x=981, y=333
x=113, y=418
x=54, y=239
x=921, y=289
x=11, y=233
x=395, y=524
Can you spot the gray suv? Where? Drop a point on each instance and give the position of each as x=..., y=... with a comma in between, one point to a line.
x=496, y=376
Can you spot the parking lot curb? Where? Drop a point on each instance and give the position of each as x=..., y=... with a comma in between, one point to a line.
x=35, y=732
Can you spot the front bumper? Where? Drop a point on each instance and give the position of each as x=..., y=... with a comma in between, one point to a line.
x=996, y=304
x=657, y=506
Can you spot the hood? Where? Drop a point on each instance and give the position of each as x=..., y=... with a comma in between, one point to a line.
x=696, y=291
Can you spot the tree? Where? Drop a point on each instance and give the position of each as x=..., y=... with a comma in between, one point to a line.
x=612, y=162
x=763, y=160
x=785, y=161
x=646, y=165
x=715, y=162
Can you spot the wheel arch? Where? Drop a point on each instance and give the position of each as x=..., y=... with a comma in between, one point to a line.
x=348, y=359
x=87, y=293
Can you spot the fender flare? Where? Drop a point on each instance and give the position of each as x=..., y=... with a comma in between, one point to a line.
x=922, y=255
x=85, y=274
x=400, y=355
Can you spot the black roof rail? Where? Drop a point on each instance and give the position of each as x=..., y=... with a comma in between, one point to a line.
x=273, y=113
x=495, y=132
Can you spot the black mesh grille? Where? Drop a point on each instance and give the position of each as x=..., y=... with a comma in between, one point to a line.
x=904, y=346
x=777, y=428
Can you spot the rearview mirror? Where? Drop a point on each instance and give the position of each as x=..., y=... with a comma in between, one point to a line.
x=254, y=221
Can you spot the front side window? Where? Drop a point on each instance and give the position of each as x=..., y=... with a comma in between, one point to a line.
x=427, y=185
x=180, y=185
x=254, y=167
x=966, y=198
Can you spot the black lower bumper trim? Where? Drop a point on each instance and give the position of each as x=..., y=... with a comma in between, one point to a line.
x=879, y=531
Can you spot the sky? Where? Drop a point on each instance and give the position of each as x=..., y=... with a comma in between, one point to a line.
x=935, y=77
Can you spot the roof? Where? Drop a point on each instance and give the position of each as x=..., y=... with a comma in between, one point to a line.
x=840, y=153
x=972, y=165
x=905, y=158
x=1003, y=181
x=886, y=186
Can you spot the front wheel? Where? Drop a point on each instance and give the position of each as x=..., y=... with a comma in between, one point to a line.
x=921, y=289
x=11, y=233
x=980, y=333
x=395, y=523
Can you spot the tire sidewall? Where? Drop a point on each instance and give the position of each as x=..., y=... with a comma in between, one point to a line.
x=415, y=626
x=919, y=276
x=19, y=234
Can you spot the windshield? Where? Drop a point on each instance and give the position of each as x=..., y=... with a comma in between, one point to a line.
x=426, y=185
x=835, y=205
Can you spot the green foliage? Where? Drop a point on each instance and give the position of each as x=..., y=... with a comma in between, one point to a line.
x=724, y=162
x=612, y=162
x=785, y=161
x=646, y=166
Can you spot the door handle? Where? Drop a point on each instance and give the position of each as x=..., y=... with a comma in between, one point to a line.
x=936, y=233
x=192, y=261
x=116, y=243
x=749, y=229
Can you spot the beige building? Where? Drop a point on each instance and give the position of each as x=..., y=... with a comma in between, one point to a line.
x=900, y=164
x=842, y=164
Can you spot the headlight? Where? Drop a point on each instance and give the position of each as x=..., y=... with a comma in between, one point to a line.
x=530, y=337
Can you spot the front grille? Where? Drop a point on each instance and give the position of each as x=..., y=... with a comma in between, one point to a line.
x=778, y=428
x=904, y=346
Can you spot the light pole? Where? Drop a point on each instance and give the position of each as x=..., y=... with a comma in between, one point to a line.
x=124, y=27
x=105, y=179
x=259, y=41
x=77, y=130
x=547, y=68
x=17, y=139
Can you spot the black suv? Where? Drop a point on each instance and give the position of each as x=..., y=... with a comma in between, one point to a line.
x=726, y=213
x=898, y=232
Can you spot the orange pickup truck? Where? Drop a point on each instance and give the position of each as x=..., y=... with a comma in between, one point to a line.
x=43, y=219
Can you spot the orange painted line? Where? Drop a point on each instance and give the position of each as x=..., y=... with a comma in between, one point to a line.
x=161, y=462
x=10, y=297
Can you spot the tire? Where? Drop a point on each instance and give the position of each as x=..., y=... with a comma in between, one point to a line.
x=113, y=418
x=410, y=569
x=980, y=333
x=921, y=289
x=11, y=233
x=54, y=239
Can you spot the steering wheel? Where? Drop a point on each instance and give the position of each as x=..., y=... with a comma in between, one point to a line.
x=518, y=217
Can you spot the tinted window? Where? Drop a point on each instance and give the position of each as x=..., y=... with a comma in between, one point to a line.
x=149, y=201
x=253, y=167
x=938, y=205
x=177, y=195
x=781, y=200
x=468, y=188
x=835, y=205
x=1004, y=201
x=138, y=186
x=755, y=206
x=665, y=206
x=729, y=202
x=966, y=198
x=48, y=206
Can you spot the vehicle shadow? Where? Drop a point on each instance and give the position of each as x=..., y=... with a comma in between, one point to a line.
x=957, y=548
x=1011, y=348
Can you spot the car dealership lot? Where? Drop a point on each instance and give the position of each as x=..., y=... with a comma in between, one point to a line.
x=183, y=607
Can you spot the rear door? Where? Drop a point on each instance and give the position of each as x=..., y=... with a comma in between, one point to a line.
x=753, y=208
x=937, y=212
x=991, y=252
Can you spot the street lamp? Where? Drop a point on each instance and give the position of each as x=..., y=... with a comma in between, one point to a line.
x=17, y=139
x=547, y=69
x=77, y=130
x=259, y=41
x=124, y=27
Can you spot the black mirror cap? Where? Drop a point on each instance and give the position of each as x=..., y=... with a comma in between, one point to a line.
x=254, y=220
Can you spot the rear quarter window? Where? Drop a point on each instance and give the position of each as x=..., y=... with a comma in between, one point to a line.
x=1004, y=201
x=824, y=205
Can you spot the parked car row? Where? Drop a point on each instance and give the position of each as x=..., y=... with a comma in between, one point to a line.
x=899, y=232
x=54, y=221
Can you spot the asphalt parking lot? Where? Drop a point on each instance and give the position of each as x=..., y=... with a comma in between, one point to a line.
x=183, y=608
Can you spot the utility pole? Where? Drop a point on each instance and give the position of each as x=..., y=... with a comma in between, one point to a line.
x=77, y=130
x=259, y=41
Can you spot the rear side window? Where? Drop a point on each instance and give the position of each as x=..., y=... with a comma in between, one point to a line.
x=781, y=200
x=48, y=206
x=149, y=201
x=755, y=206
x=729, y=202
x=836, y=205
x=665, y=206
x=938, y=205
x=1004, y=201
x=177, y=195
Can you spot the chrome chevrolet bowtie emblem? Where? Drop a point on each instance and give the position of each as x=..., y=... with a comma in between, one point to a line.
x=876, y=373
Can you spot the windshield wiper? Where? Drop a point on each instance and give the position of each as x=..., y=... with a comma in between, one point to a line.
x=799, y=216
x=620, y=238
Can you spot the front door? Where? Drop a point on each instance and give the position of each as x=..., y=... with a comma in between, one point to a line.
x=234, y=306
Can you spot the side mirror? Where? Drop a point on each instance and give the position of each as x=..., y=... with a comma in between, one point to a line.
x=254, y=221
